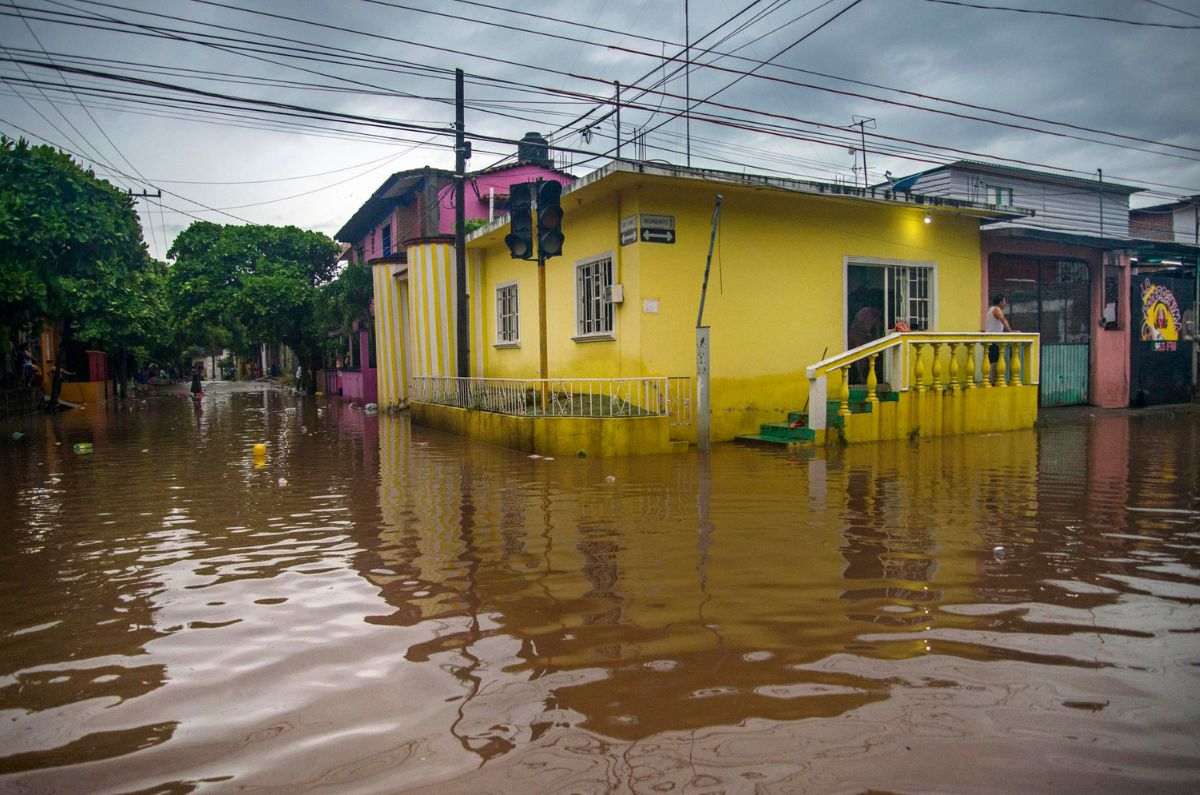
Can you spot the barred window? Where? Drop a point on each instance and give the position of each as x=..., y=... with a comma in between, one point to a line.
x=918, y=297
x=593, y=297
x=387, y=240
x=507, y=314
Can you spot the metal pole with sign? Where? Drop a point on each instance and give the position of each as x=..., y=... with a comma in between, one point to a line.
x=703, y=348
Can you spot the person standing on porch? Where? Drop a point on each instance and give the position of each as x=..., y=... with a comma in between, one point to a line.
x=996, y=322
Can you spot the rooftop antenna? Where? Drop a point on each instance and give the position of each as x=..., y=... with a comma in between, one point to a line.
x=863, y=123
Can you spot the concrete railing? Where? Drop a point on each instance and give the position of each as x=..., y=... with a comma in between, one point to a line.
x=658, y=396
x=945, y=365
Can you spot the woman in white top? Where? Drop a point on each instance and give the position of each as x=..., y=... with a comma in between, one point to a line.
x=996, y=321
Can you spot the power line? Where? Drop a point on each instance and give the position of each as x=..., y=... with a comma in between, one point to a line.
x=567, y=73
x=289, y=108
x=823, y=88
x=103, y=132
x=1069, y=14
x=687, y=67
x=721, y=105
x=183, y=36
x=761, y=62
x=1172, y=8
x=85, y=157
x=742, y=74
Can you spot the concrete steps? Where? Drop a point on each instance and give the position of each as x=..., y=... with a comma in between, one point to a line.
x=796, y=430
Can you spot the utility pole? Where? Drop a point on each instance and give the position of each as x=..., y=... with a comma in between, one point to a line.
x=617, y=102
x=1100, y=194
x=144, y=194
x=703, y=349
x=687, y=82
x=862, y=122
x=461, y=152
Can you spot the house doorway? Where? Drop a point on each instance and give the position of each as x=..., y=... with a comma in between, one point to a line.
x=878, y=297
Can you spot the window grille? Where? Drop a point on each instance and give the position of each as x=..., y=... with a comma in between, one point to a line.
x=507, y=314
x=593, y=295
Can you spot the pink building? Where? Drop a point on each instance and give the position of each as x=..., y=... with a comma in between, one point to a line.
x=417, y=206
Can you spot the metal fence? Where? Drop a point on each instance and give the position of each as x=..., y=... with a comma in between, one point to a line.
x=561, y=397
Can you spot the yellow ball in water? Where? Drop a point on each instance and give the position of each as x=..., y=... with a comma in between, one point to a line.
x=260, y=450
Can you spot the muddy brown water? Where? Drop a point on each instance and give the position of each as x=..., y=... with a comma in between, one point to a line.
x=407, y=610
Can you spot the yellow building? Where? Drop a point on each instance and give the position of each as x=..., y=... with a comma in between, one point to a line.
x=801, y=273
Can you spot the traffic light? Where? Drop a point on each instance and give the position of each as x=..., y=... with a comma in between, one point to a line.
x=550, y=215
x=520, y=211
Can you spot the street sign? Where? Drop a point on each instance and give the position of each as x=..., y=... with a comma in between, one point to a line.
x=658, y=235
x=657, y=228
x=629, y=232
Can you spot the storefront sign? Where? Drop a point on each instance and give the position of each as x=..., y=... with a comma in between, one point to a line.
x=1161, y=318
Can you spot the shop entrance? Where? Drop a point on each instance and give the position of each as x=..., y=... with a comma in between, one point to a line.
x=1051, y=296
x=1163, y=312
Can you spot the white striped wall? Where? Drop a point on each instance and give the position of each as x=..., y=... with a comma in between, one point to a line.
x=391, y=332
x=415, y=332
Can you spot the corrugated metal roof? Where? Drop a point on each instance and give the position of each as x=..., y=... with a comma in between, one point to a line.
x=906, y=183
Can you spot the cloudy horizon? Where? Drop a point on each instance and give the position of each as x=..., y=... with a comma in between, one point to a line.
x=1121, y=87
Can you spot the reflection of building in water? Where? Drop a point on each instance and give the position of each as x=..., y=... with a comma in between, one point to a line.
x=684, y=595
x=675, y=596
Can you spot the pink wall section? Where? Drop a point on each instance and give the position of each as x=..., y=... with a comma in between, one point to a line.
x=405, y=219
x=477, y=192
x=359, y=385
x=1108, y=376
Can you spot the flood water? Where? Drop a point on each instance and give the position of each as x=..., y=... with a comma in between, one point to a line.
x=384, y=607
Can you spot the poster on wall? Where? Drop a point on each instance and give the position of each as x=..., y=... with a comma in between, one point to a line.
x=1161, y=317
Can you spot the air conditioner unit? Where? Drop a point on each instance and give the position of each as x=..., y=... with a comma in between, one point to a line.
x=615, y=294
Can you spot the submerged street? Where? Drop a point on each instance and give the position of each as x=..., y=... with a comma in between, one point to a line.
x=380, y=606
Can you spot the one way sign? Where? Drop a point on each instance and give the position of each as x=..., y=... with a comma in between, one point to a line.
x=657, y=228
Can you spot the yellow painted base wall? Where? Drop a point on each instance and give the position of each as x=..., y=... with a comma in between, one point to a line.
x=597, y=437
x=930, y=413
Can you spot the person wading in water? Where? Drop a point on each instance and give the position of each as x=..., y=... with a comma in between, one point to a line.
x=197, y=388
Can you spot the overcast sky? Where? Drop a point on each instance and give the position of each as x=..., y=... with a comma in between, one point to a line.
x=365, y=58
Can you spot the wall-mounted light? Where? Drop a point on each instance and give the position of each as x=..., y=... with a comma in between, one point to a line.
x=928, y=217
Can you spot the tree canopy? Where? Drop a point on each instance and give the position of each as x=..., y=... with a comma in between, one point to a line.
x=235, y=286
x=71, y=251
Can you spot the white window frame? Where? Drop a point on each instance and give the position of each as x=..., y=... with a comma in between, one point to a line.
x=581, y=334
x=1002, y=194
x=888, y=265
x=515, y=341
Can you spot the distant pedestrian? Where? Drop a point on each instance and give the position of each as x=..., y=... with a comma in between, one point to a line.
x=197, y=387
x=996, y=322
x=25, y=365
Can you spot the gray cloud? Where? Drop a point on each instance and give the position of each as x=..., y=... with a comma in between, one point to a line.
x=1137, y=81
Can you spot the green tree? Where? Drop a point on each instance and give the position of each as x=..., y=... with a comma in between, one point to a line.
x=72, y=254
x=234, y=286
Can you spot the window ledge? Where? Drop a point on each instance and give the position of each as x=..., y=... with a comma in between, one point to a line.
x=595, y=338
x=501, y=345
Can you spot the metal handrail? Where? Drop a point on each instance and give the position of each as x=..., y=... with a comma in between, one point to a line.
x=653, y=396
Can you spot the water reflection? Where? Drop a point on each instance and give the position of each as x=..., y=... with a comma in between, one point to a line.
x=383, y=606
